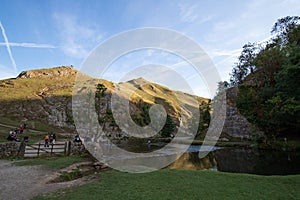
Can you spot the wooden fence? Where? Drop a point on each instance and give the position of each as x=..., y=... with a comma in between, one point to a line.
x=34, y=150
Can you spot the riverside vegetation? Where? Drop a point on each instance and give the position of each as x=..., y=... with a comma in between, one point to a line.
x=267, y=77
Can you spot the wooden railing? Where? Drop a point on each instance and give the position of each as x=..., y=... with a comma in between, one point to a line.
x=38, y=149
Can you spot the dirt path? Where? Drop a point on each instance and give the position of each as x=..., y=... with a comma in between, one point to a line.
x=25, y=182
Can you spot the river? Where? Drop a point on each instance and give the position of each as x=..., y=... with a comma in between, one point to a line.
x=235, y=160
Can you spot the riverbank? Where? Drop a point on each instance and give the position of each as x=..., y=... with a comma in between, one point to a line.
x=183, y=184
x=184, y=141
x=278, y=145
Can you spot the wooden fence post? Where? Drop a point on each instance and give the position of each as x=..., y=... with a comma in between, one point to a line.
x=38, y=153
x=69, y=148
x=22, y=148
x=51, y=149
x=65, y=148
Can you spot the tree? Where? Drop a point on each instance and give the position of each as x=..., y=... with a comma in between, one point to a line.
x=100, y=89
x=272, y=102
x=283, y=27
x=268, y=62
x=204, y=121
x=247, y=57
x=168, y=128
x=246, y=64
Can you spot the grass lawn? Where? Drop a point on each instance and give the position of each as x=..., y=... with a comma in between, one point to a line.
x=51, y=162
x=181, y=184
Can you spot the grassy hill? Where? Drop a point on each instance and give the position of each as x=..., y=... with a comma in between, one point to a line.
x=43, y=98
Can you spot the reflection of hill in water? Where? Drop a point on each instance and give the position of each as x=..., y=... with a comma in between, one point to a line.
x=191, y=161
x=242, y=161
x=236, y=160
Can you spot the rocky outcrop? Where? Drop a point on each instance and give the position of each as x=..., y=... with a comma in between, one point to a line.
x=236, y=125
x=53, y=72
x=40, y=95
x=55, y=111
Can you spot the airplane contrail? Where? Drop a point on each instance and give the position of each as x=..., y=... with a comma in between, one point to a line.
x=8, y=47
x=29, y=45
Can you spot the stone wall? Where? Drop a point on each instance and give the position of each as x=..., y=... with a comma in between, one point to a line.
x=77, y=148
x=8, y=149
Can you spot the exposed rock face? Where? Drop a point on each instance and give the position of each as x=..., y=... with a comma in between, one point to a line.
x=57, y=71
x=42, y=95
x=57, y=113
x=236, y=125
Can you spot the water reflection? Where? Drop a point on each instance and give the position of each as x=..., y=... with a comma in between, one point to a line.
x=240, y=160
x=236, y=160
x=191, y=161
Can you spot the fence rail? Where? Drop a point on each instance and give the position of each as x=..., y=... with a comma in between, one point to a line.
x=35, y=150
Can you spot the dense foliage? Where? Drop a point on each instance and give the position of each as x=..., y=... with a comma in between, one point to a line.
x=268, y=79
x=169, y=127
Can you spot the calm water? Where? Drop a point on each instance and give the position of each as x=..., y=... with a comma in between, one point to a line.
x=237, y=160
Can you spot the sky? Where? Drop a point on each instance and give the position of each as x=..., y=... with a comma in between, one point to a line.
x=41, y=34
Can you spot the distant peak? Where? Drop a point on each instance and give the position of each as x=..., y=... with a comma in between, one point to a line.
x=49, y=72
x=138, y=81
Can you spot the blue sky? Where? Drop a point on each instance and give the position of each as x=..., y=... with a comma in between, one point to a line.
x=41, y=34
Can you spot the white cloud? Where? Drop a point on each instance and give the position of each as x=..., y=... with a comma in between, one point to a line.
x=191, y=13
x=187, y=12
x=77, y=37
x=28, y=45
x=219, y=52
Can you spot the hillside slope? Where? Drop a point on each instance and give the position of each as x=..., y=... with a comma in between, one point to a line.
x=45, y=96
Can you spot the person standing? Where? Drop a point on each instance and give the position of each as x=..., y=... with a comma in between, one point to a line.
x=54, y=138
x=51, y=138
x=21, y=129
x=46, y=138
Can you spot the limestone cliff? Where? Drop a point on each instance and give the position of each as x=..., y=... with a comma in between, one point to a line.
x=236, y=125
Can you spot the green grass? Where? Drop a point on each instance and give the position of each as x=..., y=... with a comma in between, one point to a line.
x=33, y=137
x=32, y=124
x=176, y=184
x=52, y=162
x=28, y=88
x=36, y=129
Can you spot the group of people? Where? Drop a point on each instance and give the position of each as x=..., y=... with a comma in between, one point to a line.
x=13, y=133
x=49, y=138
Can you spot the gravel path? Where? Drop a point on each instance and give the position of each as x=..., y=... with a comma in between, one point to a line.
x=25, y=182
